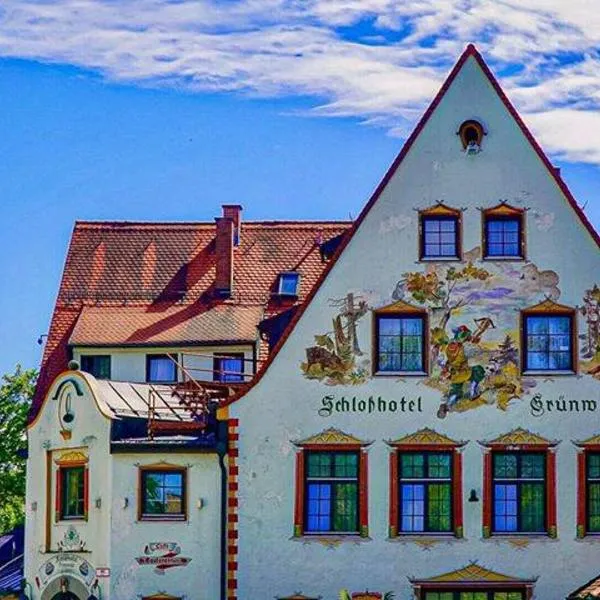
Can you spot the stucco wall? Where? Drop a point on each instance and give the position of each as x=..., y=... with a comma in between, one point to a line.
x=284, y=405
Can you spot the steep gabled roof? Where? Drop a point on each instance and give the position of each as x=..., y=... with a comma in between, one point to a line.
x=152, y=283
x=470, y=51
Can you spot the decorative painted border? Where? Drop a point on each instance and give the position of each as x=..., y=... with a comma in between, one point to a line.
x=232, y=508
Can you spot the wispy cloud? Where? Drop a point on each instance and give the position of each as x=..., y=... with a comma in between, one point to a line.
x=379, y=60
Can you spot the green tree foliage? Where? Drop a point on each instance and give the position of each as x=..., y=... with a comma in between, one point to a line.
x=16, y=392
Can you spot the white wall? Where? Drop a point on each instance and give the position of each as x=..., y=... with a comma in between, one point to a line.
x=284, y=405
x=198, y=537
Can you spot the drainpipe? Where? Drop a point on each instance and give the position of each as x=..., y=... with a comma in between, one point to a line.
x=222, y=452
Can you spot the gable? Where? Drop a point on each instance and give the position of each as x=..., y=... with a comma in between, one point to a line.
x=433, y=168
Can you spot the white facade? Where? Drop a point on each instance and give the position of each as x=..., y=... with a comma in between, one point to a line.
x=113, y=536
x=284, y=407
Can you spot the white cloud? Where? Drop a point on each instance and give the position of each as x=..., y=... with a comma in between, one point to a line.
x=379, y=60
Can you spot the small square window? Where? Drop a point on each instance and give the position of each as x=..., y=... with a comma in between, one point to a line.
x=400, y=343
x=163, y=494
x=440, y=237
x=228, y=368
x=548, y=342
x=160, y=368
x=288, y=284
x=503, y=237
x=97, y=365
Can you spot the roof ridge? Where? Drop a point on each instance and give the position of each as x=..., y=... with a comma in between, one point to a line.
x=167, y=224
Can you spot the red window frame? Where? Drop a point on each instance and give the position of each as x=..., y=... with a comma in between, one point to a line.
x=488, y=481
x=582, y=489
x=363, y=487
x=457, y=492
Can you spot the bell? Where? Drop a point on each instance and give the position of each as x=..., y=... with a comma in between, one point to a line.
x=473, y=496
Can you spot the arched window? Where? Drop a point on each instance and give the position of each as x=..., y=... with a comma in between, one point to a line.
x=471, y=135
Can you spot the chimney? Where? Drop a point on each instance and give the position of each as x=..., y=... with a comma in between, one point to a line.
x=224, y=257
x=234, y=212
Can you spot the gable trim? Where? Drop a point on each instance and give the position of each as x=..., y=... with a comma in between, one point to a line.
x=470, y=51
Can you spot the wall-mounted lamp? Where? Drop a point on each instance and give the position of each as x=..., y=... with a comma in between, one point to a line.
x=473, y=496
x=200, y=503
x=98, y=503
x=33, y=506
x=125, y=502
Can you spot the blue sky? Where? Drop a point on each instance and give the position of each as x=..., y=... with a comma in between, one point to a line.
x=166, y=109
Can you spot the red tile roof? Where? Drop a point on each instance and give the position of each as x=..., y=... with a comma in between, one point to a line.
x=166, y=324
x=151, y=283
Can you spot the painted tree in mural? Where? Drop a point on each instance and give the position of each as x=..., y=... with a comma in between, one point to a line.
x=16, y=391
x=333, y=358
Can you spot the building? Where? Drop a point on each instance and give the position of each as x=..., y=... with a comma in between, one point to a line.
x=163, y=319
x=423, y=424
x=428, y=425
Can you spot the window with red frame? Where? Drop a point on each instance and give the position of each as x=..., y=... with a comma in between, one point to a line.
x=331, y=492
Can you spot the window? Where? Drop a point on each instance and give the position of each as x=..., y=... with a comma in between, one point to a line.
x=519, y=492
x=440, y=237
x=593, y=492
x=97, y=365
x=400, y=344
x=163, y=494
x=503, y=237
x=160, y=368
x=72, y=492
x=471, y=133
x=288, y=284
x=425, y=492
x=332, y=491
x=548, y=342
x=228, y=368
x=475, y=595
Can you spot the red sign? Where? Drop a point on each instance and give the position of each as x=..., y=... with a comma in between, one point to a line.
x=102, y=572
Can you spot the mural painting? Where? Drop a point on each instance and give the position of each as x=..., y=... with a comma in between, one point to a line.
x=336, y=357
x=474, y=332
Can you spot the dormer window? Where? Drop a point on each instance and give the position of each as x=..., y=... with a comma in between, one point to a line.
x=471, y=135
x=288, y=284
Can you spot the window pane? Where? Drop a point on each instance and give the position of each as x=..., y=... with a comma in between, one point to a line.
x=319, y=507
x=412, y=466
x=549, y=343
x=439, y=507
x=533, y=466
x=400, y=344
x=502, y=237
x=505, y=508
x=72, y=491
x=593, y=464
x=319, y=464
x=594, y=507
x=98, y=366
x=346, y=507
x=505, y=466
x=346, y=465
x=439, y=466
x=439, y=237
x=532, y=507
x=161, y=369
x=229, y=368
x=288, y=284
x=163, y=492
x=412, y=507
